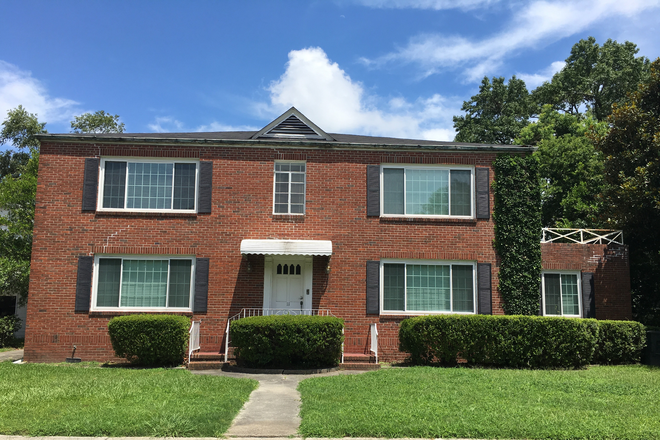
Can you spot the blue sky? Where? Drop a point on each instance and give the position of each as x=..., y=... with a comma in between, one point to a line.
x=375, y=67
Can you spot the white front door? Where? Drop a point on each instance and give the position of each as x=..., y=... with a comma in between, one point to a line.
x=287, y=282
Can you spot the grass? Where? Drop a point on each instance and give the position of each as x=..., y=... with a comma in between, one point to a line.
x=47, y=400
x=3, y=349
x=598, y=403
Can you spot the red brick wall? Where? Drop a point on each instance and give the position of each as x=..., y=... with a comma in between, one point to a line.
x=609, y=264
x=242, y=209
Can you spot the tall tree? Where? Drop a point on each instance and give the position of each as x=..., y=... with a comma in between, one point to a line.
x=594, y=78
x=98, y=122
x=496, y=114
x=17, y=201
x=632, y=170
x=571, y=169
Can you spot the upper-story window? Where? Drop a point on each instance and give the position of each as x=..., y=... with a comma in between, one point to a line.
x=148, y=185
x=289, y=188
x=561, y=294
x=427, y=191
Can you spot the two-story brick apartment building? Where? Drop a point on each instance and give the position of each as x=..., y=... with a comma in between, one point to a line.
x=208, y=224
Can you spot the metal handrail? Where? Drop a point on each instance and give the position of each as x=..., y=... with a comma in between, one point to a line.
x=247, y=313
x=582, y=236
x=193, y=342
x=374, y=340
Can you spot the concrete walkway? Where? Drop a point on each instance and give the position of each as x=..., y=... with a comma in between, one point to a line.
x=272, y=410
x=12, y=355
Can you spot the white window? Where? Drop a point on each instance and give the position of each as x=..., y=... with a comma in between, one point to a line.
x=143, y=283
x=422, y=287
x=289, y=188
x=561, y=294
x=427, y=191
x=148, y=185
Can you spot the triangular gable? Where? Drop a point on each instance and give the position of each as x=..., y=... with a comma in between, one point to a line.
x=293, y=125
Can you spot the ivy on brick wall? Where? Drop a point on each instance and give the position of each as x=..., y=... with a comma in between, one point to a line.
x=517, y=232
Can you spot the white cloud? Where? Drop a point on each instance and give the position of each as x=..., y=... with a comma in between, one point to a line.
x=167, y=124
x=427, y=4
x=533, y=80
x=535, y=24
x=18, y=87
x=328, y=96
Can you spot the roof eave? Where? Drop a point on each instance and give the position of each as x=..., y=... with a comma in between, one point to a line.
x=302, y=143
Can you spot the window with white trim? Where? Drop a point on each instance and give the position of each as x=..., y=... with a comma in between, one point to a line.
x=148, y=185
x=427, y=191
x=289, y=188
x=561, y=294
x=143, y=283
x=420, y=287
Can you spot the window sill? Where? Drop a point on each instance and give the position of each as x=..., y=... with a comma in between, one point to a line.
x=146, y=214
x=106, y=313
x=449, y=220
x=292, y=218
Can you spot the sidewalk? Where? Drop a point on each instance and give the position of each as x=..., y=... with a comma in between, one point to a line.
x=13, y=355
x=272, y=409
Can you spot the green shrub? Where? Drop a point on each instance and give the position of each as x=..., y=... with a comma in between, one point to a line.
x=500, y=341
x=150, y=340
x=287, y=341
x=619, y=342
x=8, y=326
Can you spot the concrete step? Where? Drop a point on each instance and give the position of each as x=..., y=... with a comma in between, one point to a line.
x=206, y=365
x=207, y=356
x=359, y=358
x=359, y=366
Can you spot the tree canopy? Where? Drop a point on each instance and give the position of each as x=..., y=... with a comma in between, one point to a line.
x=570, y=168
x=97, y=122
x=631, y=151
x=594, y=78
x=18, y=186
x=496, y=114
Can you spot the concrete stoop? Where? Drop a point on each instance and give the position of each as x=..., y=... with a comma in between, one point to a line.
x=359, y=361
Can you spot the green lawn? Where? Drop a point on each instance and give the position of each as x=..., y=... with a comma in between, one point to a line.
x=598, y=403
x=40, y=400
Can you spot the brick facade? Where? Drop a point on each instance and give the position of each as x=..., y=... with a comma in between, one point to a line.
x=610, y=266
x=242, y=208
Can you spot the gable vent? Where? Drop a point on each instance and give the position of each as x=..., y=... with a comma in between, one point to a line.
x=292, y=127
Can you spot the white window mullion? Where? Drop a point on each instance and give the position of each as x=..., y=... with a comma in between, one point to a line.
x=172, y=198
x=167, y=289
x=125, y=192
x=289, y=195
x=405, y=287
x=405, y=192
x=451, y=285
x=121, y=280
x=449, y=196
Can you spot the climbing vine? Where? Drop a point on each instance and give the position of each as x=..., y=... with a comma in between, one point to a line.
x=517, y=232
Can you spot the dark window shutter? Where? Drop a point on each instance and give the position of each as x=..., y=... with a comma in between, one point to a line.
x=373, y=287
x=484, y=289
x=90, y=184
x=373, y=191
x=588, y=299
x=201, y=285
x=205, y=187
x=482, y=179
x=84, y=284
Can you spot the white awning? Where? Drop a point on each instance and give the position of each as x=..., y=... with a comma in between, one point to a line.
x=287, y=247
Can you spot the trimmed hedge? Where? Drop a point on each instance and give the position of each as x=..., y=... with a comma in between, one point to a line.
x=8, y=326
x=287, y=341
x=619, y=342
x=150, y=340
x=500, y=341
